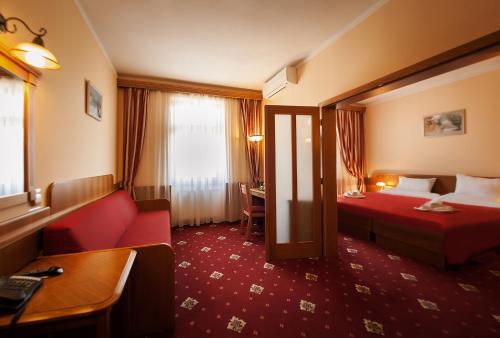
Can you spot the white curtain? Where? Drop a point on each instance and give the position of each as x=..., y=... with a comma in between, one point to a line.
x=11, y=136
x=194, y=155
x=345, y=181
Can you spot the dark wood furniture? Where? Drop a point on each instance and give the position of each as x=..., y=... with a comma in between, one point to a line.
x=248, y=210
x=84, y=295
x=153, y=281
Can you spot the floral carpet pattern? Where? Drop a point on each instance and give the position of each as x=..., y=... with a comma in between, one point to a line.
x=225, y=288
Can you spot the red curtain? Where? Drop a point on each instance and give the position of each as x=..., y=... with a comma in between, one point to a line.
x=251, y=117
x=135, y=102
x=351, y=137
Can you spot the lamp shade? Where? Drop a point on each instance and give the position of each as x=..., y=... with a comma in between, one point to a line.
x=35, y=55
x=380, y=184
x=255, y=138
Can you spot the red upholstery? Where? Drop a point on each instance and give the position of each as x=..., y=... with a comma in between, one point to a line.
x=148, y=228
x=469, y=231
x=110, y=222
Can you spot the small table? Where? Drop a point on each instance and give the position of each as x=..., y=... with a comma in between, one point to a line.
x=83, y=295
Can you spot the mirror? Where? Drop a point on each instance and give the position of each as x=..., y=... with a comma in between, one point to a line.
x=12, y=110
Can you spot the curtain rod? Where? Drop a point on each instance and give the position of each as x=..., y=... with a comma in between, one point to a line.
x=169, y=85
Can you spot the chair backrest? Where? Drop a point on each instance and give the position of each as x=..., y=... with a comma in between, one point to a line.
x=245, y=197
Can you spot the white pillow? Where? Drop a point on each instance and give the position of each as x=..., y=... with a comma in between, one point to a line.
x=416, y=184
x=478, y=186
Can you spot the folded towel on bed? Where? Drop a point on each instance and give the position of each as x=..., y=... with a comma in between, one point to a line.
x=435, y=205
x=354, y=194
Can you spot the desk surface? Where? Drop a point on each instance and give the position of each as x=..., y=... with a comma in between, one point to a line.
x=258, y=193
x=91, y=282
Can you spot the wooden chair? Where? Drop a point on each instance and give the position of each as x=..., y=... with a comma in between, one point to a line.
x=248, y=210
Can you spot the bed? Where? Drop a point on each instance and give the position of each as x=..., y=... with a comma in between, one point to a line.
x=438, y=239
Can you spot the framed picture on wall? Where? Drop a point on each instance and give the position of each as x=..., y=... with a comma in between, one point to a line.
x=93, y=101
x=445, y=124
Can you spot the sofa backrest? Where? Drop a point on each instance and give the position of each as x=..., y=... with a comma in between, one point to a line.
x=96, y=226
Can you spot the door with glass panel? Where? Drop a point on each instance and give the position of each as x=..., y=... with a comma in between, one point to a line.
x=293, y=184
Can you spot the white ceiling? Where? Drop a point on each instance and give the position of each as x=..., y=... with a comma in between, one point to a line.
x=239, y=43
x=463, y=73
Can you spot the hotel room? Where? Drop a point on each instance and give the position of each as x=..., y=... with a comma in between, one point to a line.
x=322, y=168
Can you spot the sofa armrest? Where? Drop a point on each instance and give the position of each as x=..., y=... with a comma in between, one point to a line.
x=153, y=205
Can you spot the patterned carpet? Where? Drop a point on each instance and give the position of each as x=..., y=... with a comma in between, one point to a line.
x=224, y=288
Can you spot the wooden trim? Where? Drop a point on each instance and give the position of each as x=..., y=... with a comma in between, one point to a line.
x=294, y=205
x=18, y=205
x=270, y=179
x=18, y=247
x=153, y=205
x=329, y=200
x=445, y=184
x=170, y=85
x=22, y=203
x=66, y=194
x=477, y=50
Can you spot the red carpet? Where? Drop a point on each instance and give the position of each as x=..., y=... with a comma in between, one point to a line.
x=225, y=289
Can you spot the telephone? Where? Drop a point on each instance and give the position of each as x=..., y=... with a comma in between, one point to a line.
x=15, y=291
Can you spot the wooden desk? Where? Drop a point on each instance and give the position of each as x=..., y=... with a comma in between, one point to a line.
x=258, y=193
x=83, y=295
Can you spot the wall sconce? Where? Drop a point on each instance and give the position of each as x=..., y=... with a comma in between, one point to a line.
x=381, y=185
x=33, y=53
x=255, y=138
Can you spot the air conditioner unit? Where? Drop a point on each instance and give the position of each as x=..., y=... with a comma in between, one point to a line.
x=279, y=81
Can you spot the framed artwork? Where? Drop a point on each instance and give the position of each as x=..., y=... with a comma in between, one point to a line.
x=445, y=124
x=93, y=101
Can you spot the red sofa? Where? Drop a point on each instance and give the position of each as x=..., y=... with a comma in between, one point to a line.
x=111, y=222
x=116, y=221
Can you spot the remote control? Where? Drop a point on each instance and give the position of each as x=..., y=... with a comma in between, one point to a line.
x=47, y=272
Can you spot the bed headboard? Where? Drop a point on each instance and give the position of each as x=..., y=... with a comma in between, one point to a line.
x=66, y=194
x=444, y=184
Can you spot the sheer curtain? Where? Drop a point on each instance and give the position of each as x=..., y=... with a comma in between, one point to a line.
x=193, y=154
x=11, y=136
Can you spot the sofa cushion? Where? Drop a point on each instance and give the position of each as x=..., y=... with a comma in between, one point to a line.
x=96, y=226
x=148, y=227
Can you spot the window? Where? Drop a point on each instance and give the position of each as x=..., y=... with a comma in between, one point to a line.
x=11, y=136
x=197, y=142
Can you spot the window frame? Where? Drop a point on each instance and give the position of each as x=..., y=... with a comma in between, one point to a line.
x=13, y=205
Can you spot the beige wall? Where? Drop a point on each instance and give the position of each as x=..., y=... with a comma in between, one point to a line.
x=68, y=143
x=400, y=33
x=394, y=130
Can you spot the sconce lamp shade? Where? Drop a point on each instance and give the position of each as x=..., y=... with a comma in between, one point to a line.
x=381, y=185
x=255, y=138
x=35, y=54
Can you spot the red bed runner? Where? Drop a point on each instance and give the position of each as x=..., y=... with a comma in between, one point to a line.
x=468, y=231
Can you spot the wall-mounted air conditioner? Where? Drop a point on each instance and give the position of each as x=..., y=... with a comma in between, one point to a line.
x=279, y=81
